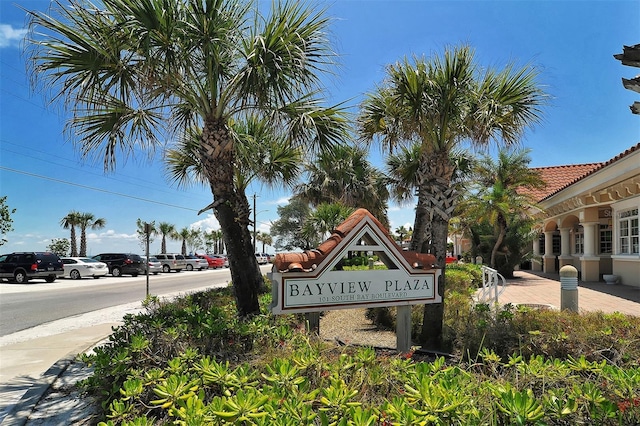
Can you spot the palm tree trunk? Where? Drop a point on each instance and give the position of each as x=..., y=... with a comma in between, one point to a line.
x=433, y=314
x=231, y=208
x=83, y=241
x=502, y=223
x=74, y=243
x=422, y=222
x=438, y=198
x=421, y=228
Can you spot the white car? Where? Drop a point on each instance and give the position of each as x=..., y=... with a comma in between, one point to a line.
x=80, y=267
x=262, y=258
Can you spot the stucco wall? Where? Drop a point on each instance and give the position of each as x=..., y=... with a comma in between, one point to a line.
x=628, y=271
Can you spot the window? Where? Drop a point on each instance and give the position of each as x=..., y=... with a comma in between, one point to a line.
x=629, y=235
x=606, y=239
x=556, y=243
x=579, y=241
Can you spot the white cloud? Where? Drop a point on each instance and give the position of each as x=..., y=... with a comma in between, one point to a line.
x=283, y=201
x=11, y=37
x=210, y=223
x=112, y=234
x=264, y=227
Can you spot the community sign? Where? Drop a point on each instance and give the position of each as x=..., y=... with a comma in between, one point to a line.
x=315, y=280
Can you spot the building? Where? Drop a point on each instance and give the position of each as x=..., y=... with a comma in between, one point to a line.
x=589, y=218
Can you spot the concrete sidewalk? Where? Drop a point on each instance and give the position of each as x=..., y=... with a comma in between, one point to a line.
x=543, y=289
x=29, y=366
x=31, y=361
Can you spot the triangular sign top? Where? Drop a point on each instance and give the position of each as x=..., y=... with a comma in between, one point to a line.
x=311, y=281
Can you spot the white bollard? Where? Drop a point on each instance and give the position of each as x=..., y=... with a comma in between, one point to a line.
x=569, y=288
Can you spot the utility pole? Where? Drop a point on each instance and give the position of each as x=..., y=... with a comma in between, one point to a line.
x=254, y=222
x=147, y=233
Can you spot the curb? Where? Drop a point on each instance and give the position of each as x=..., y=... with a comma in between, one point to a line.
x=19, y=414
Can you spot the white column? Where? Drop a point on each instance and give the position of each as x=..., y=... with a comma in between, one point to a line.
x=535, y=262
x=590, y=238
x=565, y=247
x=565, y=242
x=548, y=243
x=590, y=261
x=549, y=257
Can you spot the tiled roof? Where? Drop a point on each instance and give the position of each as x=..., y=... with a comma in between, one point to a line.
x=558, y=178
x=308, y=260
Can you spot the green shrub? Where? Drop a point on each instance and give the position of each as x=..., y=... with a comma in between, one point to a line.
x=191, y=361
x=359, y=261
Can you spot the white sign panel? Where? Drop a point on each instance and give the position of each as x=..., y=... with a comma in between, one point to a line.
x=352, y=289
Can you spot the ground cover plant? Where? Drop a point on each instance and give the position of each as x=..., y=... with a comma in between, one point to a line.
x=192, y=362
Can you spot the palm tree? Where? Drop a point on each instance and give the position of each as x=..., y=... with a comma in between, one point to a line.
x=500, y=195
x=324, y=219
x=401, y=232
x=218, y=241
x=70, y=221
x=134, y=67
x=184, y=234
x=344, y=176
x=166, y=230
x=88, y=220
x=402, y=170
x=440, y=104
x=191, y=240
x=263, y=154
x=265, y=239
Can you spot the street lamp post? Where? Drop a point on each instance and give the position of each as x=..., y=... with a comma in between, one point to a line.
x=254, y=222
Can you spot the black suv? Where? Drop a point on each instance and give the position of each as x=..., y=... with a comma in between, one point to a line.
x=21, y=267
x=122, y=263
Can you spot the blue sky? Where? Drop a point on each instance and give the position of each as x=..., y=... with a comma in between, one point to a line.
x=572, y=42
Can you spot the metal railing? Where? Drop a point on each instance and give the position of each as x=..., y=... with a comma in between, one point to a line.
x=493, y=284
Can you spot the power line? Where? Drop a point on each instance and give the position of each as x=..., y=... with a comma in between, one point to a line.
x=136, y=180
x=95, y=189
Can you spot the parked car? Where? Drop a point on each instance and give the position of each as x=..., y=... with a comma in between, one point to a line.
x=172, y=262
x=262, y=258
x=80, y=267
x=122, y=263
x=194, y=262
x=21, y=267
x=154, y=265
x=212, y=261
x=224, y=258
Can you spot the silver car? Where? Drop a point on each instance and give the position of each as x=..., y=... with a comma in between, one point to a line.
x=154, y=265
x=194, y=262
x=171, y=262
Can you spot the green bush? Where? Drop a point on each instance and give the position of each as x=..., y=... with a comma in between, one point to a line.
x=357, y=261
x=191, y=361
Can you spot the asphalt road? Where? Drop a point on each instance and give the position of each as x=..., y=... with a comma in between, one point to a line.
x=25, y=306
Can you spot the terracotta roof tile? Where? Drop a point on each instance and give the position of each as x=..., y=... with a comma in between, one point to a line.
x=309, y=259
x=558, y=178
